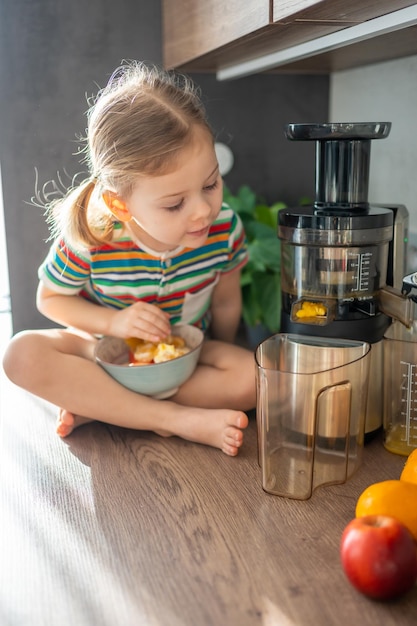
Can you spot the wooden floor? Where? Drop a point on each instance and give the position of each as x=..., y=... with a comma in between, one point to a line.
x=118, y=528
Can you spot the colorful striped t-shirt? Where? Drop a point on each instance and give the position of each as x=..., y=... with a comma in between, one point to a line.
x=120, y=273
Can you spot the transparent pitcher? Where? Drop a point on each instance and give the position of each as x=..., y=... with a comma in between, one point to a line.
x=311, y=407
x=400, y=388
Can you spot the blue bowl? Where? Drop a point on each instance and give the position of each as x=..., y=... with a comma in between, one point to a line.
x=160, y=380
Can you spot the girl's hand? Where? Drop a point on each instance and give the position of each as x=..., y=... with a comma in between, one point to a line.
x=142, y=320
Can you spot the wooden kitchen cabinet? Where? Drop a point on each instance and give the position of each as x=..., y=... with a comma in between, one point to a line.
x=208, y=35
x=193, y=28
x=338, y=11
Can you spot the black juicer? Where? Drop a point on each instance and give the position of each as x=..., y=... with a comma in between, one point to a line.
x=339, y=253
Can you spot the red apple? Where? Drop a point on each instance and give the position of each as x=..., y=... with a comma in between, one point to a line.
x=379, y=556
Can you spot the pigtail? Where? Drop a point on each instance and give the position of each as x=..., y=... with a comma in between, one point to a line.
x=80, y=217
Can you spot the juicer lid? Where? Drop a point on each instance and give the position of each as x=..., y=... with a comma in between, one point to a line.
x=337, y=130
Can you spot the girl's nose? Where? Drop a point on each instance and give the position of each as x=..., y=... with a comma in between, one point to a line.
x=201, y=208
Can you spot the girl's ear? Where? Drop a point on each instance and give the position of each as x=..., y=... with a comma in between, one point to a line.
x=116, y=206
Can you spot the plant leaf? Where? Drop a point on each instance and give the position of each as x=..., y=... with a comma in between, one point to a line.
x=275, y=209
x=262, y=231
x=264, y=254
x=263, y=215
x=247, y=199
x=262, y=301
x=260, y=278
x=268, y=296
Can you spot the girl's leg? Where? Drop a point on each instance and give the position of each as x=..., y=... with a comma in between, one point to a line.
x=225, y=377
x=58, y=366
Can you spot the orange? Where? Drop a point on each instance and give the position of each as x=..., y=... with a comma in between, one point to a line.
x=133, y=342
x=394, y=498
x=409, y=472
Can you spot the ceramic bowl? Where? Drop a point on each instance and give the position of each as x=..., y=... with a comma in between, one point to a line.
x=160, y=380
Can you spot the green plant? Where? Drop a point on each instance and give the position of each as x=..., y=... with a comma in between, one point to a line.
x=260, y=280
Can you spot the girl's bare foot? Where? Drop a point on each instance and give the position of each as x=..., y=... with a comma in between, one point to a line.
x=220, y=428
x=67, y=422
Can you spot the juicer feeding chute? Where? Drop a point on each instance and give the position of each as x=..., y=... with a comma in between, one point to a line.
x=342, y=159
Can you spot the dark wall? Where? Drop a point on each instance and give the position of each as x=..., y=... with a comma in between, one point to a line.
x=54, y=54
x=249, y=114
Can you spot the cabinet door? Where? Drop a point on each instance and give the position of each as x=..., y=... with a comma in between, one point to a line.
x=193, y=28
x=338, y=11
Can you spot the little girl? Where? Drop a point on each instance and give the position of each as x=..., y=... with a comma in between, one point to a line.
x=142, y=244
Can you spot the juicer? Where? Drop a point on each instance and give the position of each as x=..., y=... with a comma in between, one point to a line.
x=341, y=257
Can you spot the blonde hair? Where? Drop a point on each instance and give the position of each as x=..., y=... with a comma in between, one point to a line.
x=136, y=126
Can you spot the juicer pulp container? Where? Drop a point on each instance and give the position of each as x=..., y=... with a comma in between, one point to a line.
x=311, y=406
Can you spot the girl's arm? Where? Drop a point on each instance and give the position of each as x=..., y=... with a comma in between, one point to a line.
x=138, y=320
x=226, y=307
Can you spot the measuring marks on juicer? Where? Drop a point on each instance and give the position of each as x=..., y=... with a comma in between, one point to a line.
x=409, y=401
x=361, y=266
x=341, y=266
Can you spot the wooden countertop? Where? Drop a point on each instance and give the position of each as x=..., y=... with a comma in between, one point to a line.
x=114, y=527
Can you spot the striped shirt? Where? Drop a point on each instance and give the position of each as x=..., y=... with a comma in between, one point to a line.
x=120, y=273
